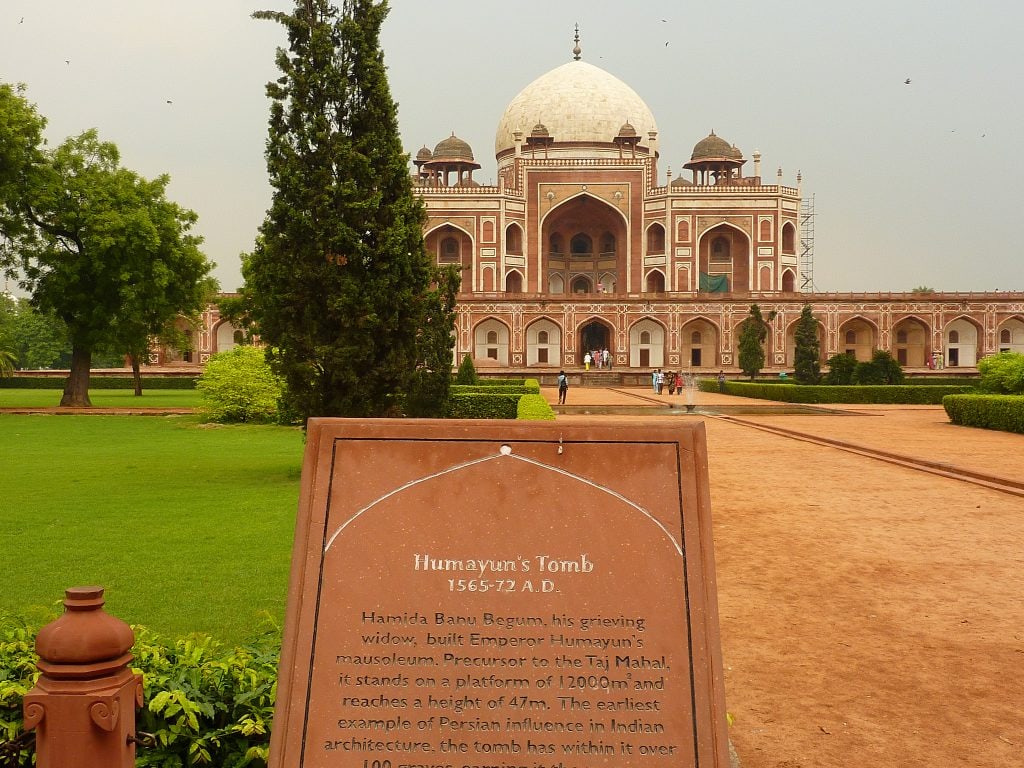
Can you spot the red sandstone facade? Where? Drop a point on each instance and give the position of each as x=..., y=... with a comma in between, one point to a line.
x=581, y=246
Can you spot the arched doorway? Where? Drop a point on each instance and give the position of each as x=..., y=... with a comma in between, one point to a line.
x=595, y=335
x=961, y=344
x=909, y=339
x=490, y=342
x=647, y=344
x=724, y=257
x=543, y=343
x=584, y=246
x=857, y=339
x=1011, y=336
x=699, y=344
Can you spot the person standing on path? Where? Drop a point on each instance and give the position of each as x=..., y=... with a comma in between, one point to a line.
x=563, y=387
x=721, y=381
x=586, y=361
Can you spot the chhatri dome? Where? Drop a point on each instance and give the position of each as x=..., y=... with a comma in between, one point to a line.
x=576, y=102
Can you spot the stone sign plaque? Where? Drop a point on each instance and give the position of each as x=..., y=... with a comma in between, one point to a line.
x=503, y=594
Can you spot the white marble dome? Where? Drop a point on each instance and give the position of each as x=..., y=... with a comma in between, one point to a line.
x=576, y=102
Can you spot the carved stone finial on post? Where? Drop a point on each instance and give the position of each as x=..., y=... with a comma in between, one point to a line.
x=83, y=705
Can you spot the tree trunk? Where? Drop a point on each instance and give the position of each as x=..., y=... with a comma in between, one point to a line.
x=136, y=374
x=76, y=388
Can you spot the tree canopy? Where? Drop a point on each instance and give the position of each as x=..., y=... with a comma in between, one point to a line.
x=339, y=285
x=95, y=243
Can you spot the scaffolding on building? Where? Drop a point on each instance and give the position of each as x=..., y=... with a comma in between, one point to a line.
x=807, y=245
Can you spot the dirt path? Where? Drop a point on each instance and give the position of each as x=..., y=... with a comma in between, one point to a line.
x=872, y=615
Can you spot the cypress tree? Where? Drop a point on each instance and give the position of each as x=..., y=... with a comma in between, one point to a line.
x=339, y=284
x=753, y=334
x=807, y=352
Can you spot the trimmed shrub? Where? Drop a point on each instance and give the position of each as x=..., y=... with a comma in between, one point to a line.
x=853, y=394
x=483, y=405
x=238, y=386
x=1002, y=412
x=100, y=382
x=534, y=408
x=515, y=386
x=467, y=372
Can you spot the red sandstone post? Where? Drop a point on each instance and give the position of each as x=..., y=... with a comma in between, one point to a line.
x=83, y=705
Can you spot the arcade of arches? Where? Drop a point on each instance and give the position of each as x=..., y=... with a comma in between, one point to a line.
x=539, y=336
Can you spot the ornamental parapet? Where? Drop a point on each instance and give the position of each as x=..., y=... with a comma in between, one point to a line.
x=423, y=191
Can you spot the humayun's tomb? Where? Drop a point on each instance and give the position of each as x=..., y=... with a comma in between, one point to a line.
x=580, y=247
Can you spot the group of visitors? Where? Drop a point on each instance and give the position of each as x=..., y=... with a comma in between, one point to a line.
x=673, y=381
x=600, y=358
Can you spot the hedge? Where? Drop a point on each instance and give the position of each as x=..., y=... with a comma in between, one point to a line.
x=482, y=405
x=504, y=382
x=853, y=394
x=534, y=408
x=206, y=703
x=520, y=387
x=1002, y=412
x=498, y=401
x=100, y=382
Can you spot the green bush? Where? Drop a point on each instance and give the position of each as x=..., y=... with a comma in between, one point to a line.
x=508, y=389
x=515, y=386
x=1002, y=412
x=506, y=382
x=483, y=405
x=100, y=382
x=534, y=408
x=853, y=394
x=238, y=386
x=841, y=369
x=467, y=372
x=1002, y=373
x=882, y=369
x=206, y=704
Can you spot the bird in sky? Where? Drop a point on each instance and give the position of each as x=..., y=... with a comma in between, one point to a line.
x=169, y=101
x=907, y=81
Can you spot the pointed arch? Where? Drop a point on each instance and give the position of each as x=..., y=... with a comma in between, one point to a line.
x=544, y=342
x=788, y=281
x=700, y=343
x=961, y=338
x=654, y=282
x=1010, y=334
x=647, y=343
x=908, y=340
x=513, y=281
x=514, y=239
x=655, y=234
x=491, y=341
x=733, y=259
x=858, y=336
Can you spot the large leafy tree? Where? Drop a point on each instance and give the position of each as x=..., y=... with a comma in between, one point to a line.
x=21, y=158
x=753, y=333
x=339, y=284
x=807, y=351
x=100, y=247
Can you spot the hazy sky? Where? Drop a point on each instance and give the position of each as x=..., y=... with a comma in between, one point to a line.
x=914, y=184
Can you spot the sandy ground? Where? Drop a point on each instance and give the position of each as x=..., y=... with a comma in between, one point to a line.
x=871, y=614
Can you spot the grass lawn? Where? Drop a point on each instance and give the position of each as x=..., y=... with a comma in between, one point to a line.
x=188, y=526
x=103, y=398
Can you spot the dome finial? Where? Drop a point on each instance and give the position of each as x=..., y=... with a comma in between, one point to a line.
x=577, y=52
